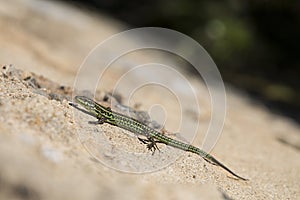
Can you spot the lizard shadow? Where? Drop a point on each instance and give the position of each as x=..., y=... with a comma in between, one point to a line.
x=287, y=143
x=82, y=110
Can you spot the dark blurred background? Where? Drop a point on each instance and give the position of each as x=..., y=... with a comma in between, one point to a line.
x=255, y=44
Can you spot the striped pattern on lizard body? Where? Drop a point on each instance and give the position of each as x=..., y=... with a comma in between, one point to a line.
x=106, y=115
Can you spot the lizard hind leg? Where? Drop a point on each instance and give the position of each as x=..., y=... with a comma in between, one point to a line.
x=151, y=144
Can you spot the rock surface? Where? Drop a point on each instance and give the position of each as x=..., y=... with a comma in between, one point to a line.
x=42, y=157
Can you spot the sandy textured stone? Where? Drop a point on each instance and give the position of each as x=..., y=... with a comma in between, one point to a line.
x=41, y=156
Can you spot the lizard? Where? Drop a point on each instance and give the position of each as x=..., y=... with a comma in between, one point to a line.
x=107, y=115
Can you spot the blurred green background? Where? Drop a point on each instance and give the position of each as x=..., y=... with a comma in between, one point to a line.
x=255, y=44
